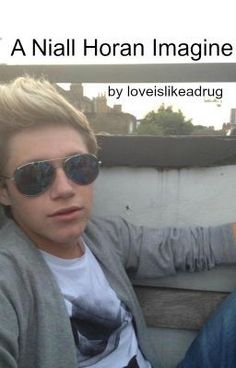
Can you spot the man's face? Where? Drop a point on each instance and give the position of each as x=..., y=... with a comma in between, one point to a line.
x=37, y=216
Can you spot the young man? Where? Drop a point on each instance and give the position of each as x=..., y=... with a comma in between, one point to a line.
x=65, y=296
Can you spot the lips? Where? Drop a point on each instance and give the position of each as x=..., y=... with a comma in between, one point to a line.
x=65, y=212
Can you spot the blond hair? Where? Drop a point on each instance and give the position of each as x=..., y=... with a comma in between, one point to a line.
x=27, y=102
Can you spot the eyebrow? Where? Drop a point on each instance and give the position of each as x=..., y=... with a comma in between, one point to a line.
x=31, y=161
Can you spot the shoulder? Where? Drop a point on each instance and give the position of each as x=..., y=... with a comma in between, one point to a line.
x=14, y=242
x=105, y=222
x=114, y=227
x=20, y=260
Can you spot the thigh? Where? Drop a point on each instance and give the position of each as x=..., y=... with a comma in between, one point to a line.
x=215, y=345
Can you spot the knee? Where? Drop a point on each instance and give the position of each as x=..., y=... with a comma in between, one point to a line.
x=226, y=313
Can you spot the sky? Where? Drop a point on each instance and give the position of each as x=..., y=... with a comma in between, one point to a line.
x=122, y=21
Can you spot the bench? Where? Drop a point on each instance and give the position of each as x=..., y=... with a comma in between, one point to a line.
x=176, y=307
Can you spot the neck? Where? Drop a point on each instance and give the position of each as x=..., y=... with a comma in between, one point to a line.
x=64, y=251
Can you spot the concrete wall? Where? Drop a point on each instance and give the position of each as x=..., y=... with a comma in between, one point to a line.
x=147, y=196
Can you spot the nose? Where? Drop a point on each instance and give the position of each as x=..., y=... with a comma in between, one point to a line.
x=61, y=186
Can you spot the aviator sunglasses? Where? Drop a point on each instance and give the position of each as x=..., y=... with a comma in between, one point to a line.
x=34, y=178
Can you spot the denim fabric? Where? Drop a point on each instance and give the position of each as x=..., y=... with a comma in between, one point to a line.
x=215, y=345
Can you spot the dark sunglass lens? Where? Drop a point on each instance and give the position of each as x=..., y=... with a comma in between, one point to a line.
x=82, y=169
x=33, y=179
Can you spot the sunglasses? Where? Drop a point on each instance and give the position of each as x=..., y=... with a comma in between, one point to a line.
x=35, y=178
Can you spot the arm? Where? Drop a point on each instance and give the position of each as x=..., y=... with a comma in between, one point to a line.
x=8, y=334
x=9, y=320
x=161, y=252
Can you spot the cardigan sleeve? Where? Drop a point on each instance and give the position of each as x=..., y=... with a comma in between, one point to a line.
x=9, y=333
x=150, y=252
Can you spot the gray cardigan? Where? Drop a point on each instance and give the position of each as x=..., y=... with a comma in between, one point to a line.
x=35, y=330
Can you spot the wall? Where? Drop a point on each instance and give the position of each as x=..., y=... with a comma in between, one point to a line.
x=169, y=197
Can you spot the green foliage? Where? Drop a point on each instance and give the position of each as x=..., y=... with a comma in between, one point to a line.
x=165, y=122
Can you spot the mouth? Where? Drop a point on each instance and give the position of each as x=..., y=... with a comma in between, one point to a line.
x=66, y=213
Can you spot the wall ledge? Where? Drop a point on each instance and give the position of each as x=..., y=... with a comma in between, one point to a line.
x=167, y=152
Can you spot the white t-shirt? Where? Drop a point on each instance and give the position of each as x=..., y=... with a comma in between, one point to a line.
x=102, y=325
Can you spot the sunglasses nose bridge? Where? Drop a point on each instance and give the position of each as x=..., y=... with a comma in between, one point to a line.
x=61, y=184
x=59, y=165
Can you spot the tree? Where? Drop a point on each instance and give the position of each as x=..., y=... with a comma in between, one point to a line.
x=165, y=122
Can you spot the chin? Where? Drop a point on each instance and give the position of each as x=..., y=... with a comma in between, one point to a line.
x=70, y=235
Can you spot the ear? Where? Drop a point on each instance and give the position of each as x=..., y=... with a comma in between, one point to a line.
x=4, y=195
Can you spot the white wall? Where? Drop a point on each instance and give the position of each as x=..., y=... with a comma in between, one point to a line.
x=171, y=197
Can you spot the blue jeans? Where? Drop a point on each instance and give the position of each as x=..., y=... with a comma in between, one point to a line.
x=215, y=345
